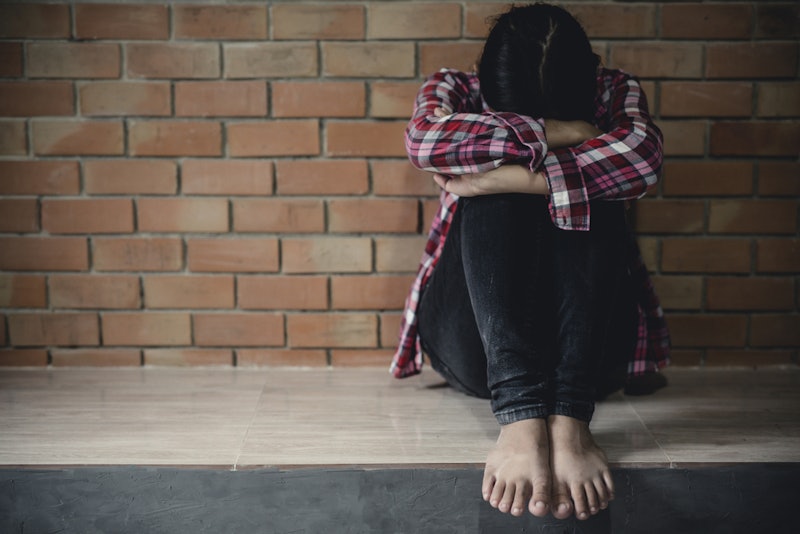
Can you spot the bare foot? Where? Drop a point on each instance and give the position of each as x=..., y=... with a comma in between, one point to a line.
x=581, y=479
x=517, y=473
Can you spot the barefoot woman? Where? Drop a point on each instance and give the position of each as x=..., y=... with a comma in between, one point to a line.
x=531, y=286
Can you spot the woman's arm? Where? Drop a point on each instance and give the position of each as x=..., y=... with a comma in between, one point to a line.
x=469, y=139
x=619, y=165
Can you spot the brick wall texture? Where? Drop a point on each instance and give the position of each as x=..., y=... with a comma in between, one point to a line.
x=226, y=184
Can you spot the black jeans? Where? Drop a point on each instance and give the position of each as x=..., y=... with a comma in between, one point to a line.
x=519, y=311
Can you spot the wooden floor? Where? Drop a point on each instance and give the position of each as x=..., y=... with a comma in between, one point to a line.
x=244, y=419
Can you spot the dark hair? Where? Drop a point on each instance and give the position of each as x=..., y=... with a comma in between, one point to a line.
x=537, y=61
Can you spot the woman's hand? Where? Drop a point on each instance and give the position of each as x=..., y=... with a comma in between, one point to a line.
x=505, y=179
x=568, y=133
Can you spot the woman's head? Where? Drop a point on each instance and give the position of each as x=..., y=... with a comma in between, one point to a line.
x=538, y=61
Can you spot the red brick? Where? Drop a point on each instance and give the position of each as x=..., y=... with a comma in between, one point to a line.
x=707, y=178
x=679, y=292
x=479, y=17
x=326, y=22
x=274, y=138
x=233, y=255
x=282, y=292
x=329, y=254
x=29, y=21
x=96, y=358
x=182, y=214
x=3, y=337
x=461, y=55
x=778, y=99
x=751, y=60
x=137, y=254
x=390, y=329
x=43, y=254
x=753, y=217
x=226, y=177
x=369, y=292
x=49, y=177
x=77, y=138
x=125, y=98
x=84, y=216
x=368, y=60
x=360, y=358
x=777, y=20
x=318, y=99
x=398, y=254
x=311, y=330
x=174, y=138
x=670, y=216
x=220, y=22
x=31, y=99
x=706, y=99
x=73, y=60
x=183, y=291
x=614, y=20
x=705, y=255
x=704, y=21
x=130, y=177
x=429, y=210
x=13, y=138
x=172, y=60
x=365, y=139
x=686, y=358
x=778, y=255
x=90, y=291
x=43, y=329
x=19, y=215
x=738, y=293
x=755, y=138
x=278, y=215
x=23, y=358
x=238, y=329
x=780, y=330
x=659, y=60
x=221, y=99
x=320, y=177
x=277, y=358
x=708, y=330
x=413, y=21
x=684, y=138
x=22, y=291
x=750, y=358
x=10, y=60
x=108, y=21
x=373, y=215
x=779, y=178
x=270, y=60
x=146, y=329
x=393, y=178
x=184, y=357
x=392, y=99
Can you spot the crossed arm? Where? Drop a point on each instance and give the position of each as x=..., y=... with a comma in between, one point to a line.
x=576, y=161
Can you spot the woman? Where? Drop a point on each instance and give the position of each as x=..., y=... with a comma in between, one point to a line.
x=530, y=285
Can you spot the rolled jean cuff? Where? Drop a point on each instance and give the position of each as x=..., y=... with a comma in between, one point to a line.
x=581, y=411
x=520, y=414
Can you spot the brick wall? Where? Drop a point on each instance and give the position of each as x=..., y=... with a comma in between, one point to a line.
x=226, y=183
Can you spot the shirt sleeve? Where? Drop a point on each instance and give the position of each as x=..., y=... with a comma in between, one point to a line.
x=471, y=139
x=621, y=164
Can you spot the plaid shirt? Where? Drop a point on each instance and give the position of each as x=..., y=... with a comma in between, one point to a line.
x=618, y=165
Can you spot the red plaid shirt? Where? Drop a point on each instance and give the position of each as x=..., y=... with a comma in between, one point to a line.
x=618, y=165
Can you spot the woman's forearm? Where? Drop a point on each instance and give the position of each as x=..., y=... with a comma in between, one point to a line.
x=504, y=179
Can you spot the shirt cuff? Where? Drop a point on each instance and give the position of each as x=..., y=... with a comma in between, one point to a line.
x=569, y=200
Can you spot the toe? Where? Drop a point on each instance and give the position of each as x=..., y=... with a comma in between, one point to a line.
x=522, y=494
x=592, y=499
x=487, y=486
x=507, y=499
x=609, y=483
x=561, y=503
x=603, y=495
x=497, y=494
x=579, y=499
